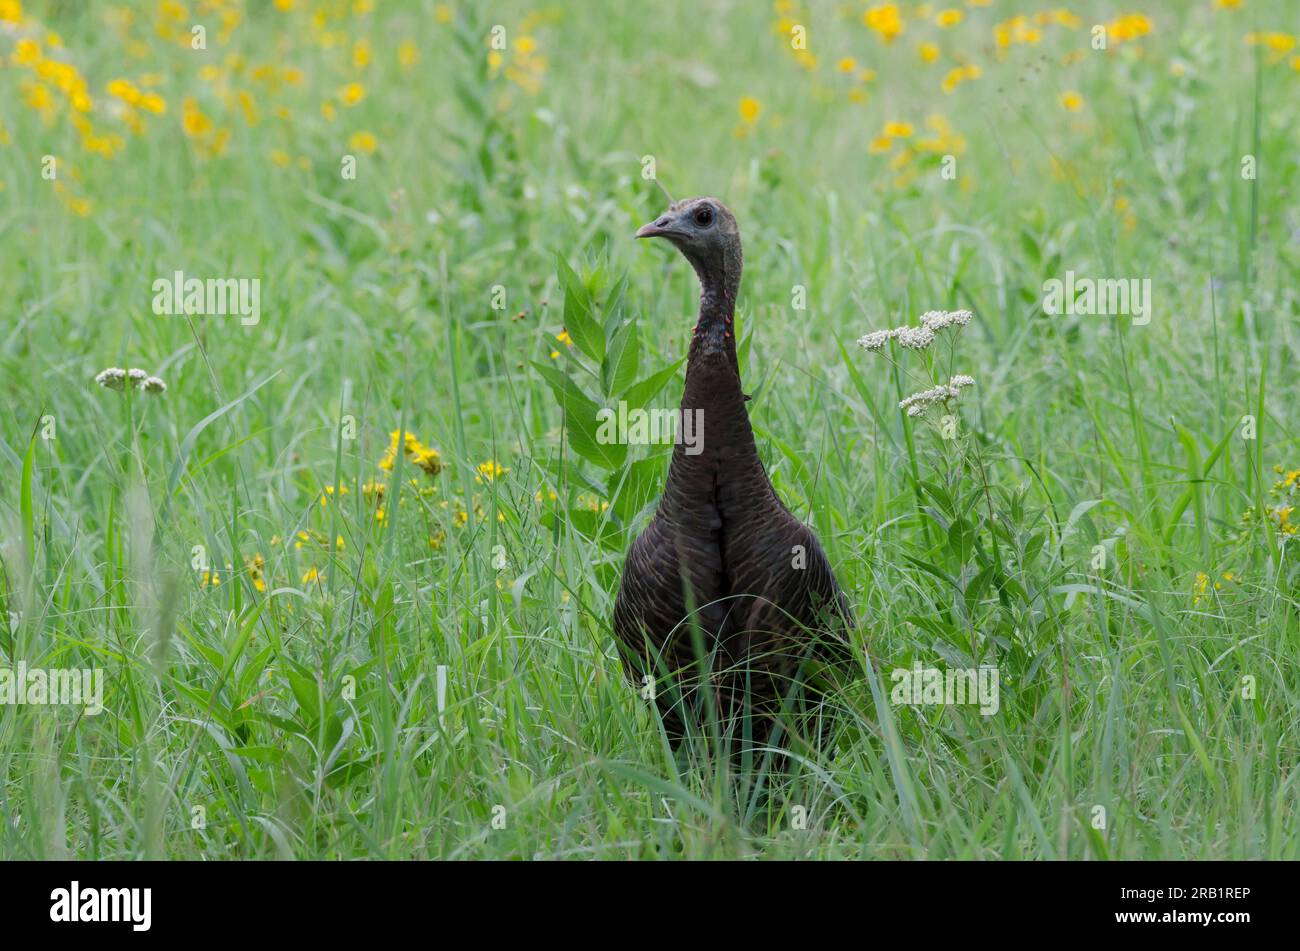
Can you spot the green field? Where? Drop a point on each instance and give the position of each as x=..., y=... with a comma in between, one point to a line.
x=316, y=642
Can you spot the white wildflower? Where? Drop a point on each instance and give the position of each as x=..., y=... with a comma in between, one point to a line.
x=114, y=378
x=918, y=403
x=876, y=339
x=939, y=319
x=933, y=395
x=915, y=338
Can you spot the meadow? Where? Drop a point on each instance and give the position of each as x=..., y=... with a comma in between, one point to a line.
x=346, y=570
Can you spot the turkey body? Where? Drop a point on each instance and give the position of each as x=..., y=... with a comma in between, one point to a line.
x=722, y=553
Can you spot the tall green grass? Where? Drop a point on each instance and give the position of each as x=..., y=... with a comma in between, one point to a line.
x=1143, y=713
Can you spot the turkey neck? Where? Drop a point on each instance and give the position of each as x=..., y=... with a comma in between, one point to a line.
x=712, y=372
x=728, y=458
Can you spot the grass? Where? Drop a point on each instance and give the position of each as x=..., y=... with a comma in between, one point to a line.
x=442, y=682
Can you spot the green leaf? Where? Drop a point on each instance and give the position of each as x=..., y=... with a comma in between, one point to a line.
x=1029, y=244
x=745, y=335
x=580, y=420
x=640, y=394
x=977, y=587
x=1032, y=548
x=1076, y=513
x=307, y=692
x=961, y=539
x=578, y=320
x=940, y=496
x=623, y=360
x=1180, y=506
x=641, y=484
x=597, y=527
x=613, y=305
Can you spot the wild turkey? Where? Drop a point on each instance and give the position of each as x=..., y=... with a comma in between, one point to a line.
x=721, y=544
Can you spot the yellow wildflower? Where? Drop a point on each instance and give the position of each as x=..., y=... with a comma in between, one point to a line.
x=27, y=52
x=361, y=53
x=1130, y=26
x=429, y=460
x=885, y=20
x=1278, y=44
x=489, y=471
x=193, y=121
x=125, y=90
x=363, y=142
x=254, y=566
x=329, y=491
x=37, y=96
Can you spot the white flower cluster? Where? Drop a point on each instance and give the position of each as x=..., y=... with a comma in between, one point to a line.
x=916, y=338
x=938, y=319
x=115, y=378
x=918, y=403
x=877, y=339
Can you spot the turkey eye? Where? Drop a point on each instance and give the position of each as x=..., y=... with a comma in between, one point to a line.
x=704, y=216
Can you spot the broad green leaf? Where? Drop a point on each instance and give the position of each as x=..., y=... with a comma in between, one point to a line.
x=613, y=305
x=580, y=420
x=587, y=334
x=639, y=394
x=640, y=484
x=623, y=360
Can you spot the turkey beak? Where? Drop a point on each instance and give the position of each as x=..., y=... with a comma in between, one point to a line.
x=658, y=228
